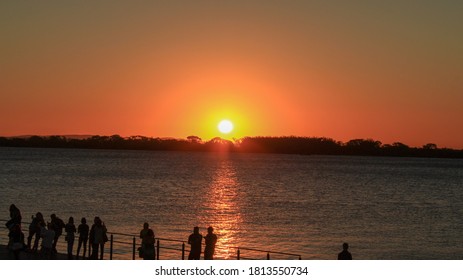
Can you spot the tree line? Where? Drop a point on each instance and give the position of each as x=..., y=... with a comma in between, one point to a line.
x=279, y=145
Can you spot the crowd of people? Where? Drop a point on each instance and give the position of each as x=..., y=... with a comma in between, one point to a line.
x=50, y=232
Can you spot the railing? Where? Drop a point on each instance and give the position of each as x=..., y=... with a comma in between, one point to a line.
x=124, y=246
x=239, y=256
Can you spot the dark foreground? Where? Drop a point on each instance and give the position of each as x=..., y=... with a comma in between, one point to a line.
x=5, y=254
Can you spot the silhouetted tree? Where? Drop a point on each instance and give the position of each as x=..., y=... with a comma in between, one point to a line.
x=368, y=147
x=430, y=146
x=194, y=139
x=287, y=145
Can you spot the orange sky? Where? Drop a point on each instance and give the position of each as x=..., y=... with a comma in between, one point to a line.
x=388, y=71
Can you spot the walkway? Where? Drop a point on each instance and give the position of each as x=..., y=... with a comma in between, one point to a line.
x=5, y=254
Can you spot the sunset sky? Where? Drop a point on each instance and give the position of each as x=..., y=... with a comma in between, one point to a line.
x=387, y=70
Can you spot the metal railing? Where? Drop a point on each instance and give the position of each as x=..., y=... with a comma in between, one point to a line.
x=239, y=256
x=125, y=246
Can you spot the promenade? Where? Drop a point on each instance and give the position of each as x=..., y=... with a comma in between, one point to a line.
x=123, y=246
x=5, y=254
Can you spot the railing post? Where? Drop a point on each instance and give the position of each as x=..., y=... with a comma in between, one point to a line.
x=268, y=256
x=183, y=250
x=238, y=254
x=157, y=250
x=111, y=247
x=133, y=249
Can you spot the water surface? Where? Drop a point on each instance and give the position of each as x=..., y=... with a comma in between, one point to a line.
x=386, y=208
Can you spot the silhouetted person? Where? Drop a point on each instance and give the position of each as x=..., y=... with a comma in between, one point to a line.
x=17, y=240
x=34, y=229
x=210, y=240
x=48, y=235
x=345, y=255
x=98, y=238
x=195, y=239
x=144, y=231
x=15, y=217
x=83, y=230
x=150, y=251
x=147, y=242
x=143, y=235
x=57, y=226
x=70, y=233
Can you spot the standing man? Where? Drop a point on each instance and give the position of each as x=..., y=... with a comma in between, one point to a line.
x=210, y=240
x=98, y=238
x=83, y=236
x=195, y=239
x=345, y=255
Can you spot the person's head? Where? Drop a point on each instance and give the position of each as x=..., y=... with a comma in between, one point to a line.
x=83, y=221
x=53, y=216
x=345, y=246
x=146, y=226
x=210, y=230
x=71, y=220
x=39, y=216
x=97, y=220
x=196, y=230
x=12, y=207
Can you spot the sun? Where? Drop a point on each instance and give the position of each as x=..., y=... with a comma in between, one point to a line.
x=225, y=126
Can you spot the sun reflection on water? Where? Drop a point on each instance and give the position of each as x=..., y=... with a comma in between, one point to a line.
x=223, y=212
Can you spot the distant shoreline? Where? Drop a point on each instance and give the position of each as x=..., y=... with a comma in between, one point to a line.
x=272, y=145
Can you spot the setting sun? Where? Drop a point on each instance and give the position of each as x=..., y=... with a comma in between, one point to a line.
x=225, y=126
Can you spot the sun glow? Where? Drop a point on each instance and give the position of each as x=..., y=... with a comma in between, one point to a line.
x=225, y=126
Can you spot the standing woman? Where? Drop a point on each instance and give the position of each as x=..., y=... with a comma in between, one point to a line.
x=148, y=250
x=70, y=230
x=17, y=240
x=15, y=217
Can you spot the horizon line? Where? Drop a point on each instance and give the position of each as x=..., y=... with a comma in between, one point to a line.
x=234, y=140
